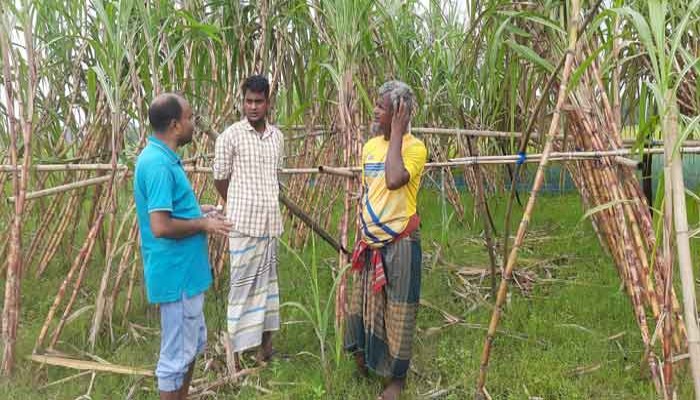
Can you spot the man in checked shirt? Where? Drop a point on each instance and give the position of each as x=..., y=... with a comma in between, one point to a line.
x=247, y=158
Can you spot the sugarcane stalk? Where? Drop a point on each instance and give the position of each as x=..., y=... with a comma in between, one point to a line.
x=129, y=293
x=483, y=213
x=55, y=239
x=531, y=124
x=84, y=253
x=49, y=218
x=682, y=241
x=12, y=303
x=124, y=263
x=100, y=303
x=539, y=179
x=668, y=267
x=84, y=261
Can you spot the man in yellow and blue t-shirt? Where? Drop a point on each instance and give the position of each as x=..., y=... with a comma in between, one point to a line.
x=387, y=257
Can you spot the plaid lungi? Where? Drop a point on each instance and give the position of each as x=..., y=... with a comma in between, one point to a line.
x=382, y=324
x=253, y=301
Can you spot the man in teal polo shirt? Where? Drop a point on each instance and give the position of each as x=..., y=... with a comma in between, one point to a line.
x=173, y=243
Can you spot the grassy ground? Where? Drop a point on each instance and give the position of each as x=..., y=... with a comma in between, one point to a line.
x=568, y=334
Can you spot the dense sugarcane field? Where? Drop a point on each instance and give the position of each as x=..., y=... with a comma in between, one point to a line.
x=559, y=204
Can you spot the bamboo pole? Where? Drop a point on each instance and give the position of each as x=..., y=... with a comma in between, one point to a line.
x=539, y=179
x=682, y=241
x=336, y=171
x=351, y=171
x=64, y=167
x=65, y=188
x=466, y=132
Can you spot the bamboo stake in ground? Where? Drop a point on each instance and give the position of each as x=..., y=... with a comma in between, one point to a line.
x=685, y=264
x=539, y=179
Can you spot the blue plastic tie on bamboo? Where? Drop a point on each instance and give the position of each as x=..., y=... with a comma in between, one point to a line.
x=521, y=158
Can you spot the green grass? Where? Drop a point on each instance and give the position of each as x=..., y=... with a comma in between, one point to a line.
x=563, y=323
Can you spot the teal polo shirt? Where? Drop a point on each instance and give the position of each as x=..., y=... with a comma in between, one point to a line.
x=171, y=266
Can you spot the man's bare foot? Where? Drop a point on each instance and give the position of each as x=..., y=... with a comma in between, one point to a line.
x=233, y=360
x=265, y=352
x=361, y=364
x=233, y=363
x=393, y=389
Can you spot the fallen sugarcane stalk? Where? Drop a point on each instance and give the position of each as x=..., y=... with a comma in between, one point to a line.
x=88, y=365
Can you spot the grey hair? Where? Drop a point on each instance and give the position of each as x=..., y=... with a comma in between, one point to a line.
x=399, y=90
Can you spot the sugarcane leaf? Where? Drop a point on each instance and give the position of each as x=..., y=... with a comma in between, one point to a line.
x=602, y=207
x=644, y=33
x=530, y=55
x=692, y=194
x=106, y=88
x=680, y=30
x=687, y=130
x=581, y=69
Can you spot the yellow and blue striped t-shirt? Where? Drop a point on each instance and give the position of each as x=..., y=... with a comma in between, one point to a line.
x=385, y=213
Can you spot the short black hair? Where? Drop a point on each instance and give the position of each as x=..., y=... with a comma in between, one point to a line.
x=164, y=108
x=257, y=84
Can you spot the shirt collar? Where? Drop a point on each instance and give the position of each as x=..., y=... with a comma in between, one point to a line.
x=160, y=145
x=267, y=132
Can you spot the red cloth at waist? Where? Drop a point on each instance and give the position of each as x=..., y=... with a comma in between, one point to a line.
x=376, y=263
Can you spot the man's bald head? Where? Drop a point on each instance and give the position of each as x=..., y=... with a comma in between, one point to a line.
x=171, y=115
x=165, y=109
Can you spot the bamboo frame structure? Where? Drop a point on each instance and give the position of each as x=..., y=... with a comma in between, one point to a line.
x=352, y=172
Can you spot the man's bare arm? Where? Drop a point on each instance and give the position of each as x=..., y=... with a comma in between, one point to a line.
x=222, y=187
x=163, y=225
x=395, y=172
